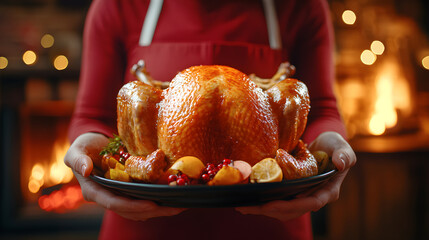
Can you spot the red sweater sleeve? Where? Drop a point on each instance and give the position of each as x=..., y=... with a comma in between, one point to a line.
x=313, y=58
x=102, y=71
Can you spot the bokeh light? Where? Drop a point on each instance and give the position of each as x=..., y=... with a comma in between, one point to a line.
x=61, y=62
x=377, y=47
x=367, y=57
x=29, y=57
x=349, y=17
x=47, y=41
x=3, y=62
x=376, y=125
x=425, y=62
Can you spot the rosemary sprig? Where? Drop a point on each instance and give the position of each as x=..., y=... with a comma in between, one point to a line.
x=113, y=147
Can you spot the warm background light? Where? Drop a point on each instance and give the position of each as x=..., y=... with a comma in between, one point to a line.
x=392, y=96
x=47, y=41
x=3, y=62
x=425, y=62
x=377, y=47
x=29, y=57
x=61, y=62
x=54, y=173
x=67, y=198
x=349, y=17
x=376, y=125
x=367, y=57
x=36, y=180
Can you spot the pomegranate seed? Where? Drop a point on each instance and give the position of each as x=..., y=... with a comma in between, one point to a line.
x=210, y=166
x=181, y=182
x=172, y=178
x=226, y=161
x=184, y=177
x=205, y=177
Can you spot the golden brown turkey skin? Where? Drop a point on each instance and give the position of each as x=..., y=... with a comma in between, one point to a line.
x=291, y=104
x=301, y=164
x=216, y=112
x=137, y=116
x=212, y=113
x=148, y=169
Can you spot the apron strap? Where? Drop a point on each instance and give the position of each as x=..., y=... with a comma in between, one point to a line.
x=150, y=21
x=154, y=10
x=272, y=24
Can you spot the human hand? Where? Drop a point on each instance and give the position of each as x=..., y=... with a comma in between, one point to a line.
x=81, y=156
x=343, y=157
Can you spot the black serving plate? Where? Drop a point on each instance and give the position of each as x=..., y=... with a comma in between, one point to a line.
x=193, y=196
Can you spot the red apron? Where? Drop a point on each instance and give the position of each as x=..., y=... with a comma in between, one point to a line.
x=164, y=60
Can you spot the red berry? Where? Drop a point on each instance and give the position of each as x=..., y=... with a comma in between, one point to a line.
x=205, y=177
x=210, y=166
x=184, y=177
x=181, y=182
x=172, y=178
x=226, y=161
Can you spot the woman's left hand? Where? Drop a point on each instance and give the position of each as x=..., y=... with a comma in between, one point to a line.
x=343, y=157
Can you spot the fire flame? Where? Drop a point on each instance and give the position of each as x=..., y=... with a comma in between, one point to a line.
x=389, y=99
x=56, y=172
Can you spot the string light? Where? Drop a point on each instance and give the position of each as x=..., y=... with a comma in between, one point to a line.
x=349, y=17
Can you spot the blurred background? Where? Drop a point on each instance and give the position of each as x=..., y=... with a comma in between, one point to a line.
x=382, y=84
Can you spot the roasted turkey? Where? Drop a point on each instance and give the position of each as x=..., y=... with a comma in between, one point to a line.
x=216, y=112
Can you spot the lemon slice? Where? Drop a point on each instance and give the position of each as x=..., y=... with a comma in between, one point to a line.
x=227, y=175
x=191, y=166
x=267, y=170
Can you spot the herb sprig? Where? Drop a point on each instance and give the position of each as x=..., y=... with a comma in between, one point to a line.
x=115, y=144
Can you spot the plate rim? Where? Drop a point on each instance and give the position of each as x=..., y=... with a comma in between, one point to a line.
x=307, y=180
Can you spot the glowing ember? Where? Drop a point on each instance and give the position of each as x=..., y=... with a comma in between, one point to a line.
x=67, y=198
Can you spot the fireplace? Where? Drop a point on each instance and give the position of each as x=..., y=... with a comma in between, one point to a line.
x=382, y=90
x=39, y=192
x=39, y=71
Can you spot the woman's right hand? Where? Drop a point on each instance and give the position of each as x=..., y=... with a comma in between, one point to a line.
x=81, y=156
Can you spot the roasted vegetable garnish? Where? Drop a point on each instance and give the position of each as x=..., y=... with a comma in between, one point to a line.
x=114, y=146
